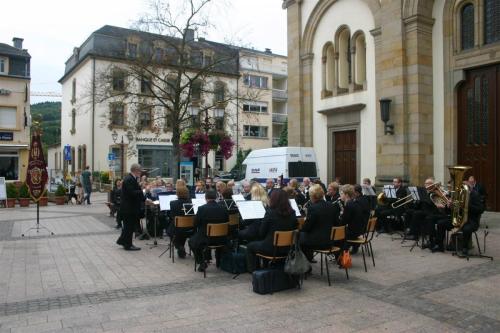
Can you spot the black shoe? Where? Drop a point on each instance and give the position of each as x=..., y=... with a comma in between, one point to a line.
x=464, y=252
x=355, y=249
x=202, y=267
x=381, y=231
x=119, y=241
x=437, y=248
x=181, y=253
x=132, y=248
x=118, y=226
x=410, y=237
x=426, y=245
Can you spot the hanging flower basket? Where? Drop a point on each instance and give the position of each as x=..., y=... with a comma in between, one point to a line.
x=226, y=147
x=192, y=141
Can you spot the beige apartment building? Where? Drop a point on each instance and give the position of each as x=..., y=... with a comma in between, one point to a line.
x=14, y=110
x=263, y=109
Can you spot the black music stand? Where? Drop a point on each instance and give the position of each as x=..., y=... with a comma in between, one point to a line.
x=38, y=225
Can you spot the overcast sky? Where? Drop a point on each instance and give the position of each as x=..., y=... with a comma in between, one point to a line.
x=52, y=28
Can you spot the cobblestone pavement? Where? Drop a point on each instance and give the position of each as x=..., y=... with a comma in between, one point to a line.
x=79, y=280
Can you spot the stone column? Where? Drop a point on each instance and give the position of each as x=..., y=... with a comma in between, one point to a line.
x=295, y=123
x=307, y=102
x=419, y=96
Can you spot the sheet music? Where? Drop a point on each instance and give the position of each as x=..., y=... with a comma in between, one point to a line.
x=295, y=207
x=165, y=201
x=198, y=203
x=200, y=196
x=390, y=191
x=238, y=197
x=251, y=209
x=414, y=193
x=367, y=190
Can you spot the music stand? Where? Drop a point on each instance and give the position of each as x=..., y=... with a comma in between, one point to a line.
x=229, y=203
x=38, y=225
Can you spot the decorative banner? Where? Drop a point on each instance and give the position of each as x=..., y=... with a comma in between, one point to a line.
x=36, y=177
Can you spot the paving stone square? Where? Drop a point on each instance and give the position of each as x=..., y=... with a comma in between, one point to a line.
x=79, y=280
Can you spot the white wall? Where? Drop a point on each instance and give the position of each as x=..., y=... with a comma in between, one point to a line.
x=438, y=90
x=357, y=15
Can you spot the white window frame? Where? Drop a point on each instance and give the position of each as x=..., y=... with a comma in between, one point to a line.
x=256, y=107
x=4, y=62
x=4, y=108
x=247, y=81
x=246, y=132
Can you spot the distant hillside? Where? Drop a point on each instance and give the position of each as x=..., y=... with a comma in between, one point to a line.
x=50, y=114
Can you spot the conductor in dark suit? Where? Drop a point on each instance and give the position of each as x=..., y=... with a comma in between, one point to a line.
x=131, y=199
x=279, y=217
x=321, y=217
x=211, y=212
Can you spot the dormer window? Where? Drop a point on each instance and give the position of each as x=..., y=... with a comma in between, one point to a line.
x=132, y=50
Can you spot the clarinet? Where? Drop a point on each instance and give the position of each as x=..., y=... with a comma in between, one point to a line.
x=341, y=206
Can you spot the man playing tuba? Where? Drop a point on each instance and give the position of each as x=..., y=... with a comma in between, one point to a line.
x=475, y=209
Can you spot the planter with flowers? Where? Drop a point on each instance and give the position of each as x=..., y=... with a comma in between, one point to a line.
x=195, y=142
x=12, y=194
x=24, y=196
x=44, y=200
x=60, y=195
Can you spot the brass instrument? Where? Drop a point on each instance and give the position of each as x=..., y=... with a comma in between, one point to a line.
x=437, y=194
x=382, y=199
x=403, y=201
x=460, y=196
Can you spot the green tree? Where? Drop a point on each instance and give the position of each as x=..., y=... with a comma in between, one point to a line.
x=283, y=141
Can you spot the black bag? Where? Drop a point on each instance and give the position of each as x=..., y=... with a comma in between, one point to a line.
x=266, y=281
x=234, y=261
x=296, y=262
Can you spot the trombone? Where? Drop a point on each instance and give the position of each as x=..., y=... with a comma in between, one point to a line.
x=403, y=201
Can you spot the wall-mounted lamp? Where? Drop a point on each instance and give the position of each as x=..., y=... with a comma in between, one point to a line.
x=385, y=115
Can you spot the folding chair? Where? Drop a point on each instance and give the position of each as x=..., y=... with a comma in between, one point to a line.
x=365, y=241
x=337, y=235
x=214, y=230
x=180, y=222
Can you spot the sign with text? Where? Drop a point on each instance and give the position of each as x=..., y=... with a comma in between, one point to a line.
x=7, y=136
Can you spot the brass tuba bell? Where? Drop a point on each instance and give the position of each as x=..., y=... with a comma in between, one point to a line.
x=460, y=196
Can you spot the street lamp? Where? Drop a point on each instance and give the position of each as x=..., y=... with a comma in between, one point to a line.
x=130, y=137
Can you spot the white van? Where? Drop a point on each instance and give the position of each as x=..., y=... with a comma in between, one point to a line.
x=291, y=162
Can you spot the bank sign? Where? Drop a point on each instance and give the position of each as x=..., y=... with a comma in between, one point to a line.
x=152, y=140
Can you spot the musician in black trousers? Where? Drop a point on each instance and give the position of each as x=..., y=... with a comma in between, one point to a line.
x=279, y=217
x=321, y=217
x=211, y=212
x=352, y=216
x=177, y=209
x=131, y=199
x=382, y=212
x=476, y=209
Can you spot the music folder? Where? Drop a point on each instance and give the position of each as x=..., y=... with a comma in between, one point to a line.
x=390, y=191
x=200, y=196
x=414, y=193
x=197, y=203
x=251, y=209
x=295, y=207
x=238, y=197
x=165, y=201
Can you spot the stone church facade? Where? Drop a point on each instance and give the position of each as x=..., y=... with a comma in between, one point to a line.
x=437, y=62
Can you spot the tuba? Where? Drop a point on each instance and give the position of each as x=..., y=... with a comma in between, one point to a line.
x=460, y=196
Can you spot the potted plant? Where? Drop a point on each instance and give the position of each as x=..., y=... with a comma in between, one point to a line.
x=60, y=197
x=43, y=201
x=12, y=194
x=24, y=196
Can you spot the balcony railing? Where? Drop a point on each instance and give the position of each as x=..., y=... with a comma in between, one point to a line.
x=280, y=94
x=279, y=118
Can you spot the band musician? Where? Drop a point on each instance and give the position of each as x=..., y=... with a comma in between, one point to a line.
x=425, y=213
x=382, y=212
x=476, y=209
